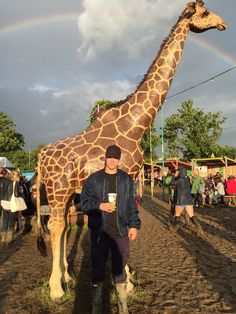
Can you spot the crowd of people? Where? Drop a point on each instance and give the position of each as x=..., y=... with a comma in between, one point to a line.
x=206, y=191
x=20, y=221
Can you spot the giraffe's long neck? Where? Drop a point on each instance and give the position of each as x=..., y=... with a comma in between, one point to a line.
x=151, y=93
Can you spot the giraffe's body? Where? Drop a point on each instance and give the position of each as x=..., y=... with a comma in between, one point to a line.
x=63, y=166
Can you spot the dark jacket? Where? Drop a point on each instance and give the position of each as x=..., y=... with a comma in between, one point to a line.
x=6, y=189
x=182, y=184
x=94, y=192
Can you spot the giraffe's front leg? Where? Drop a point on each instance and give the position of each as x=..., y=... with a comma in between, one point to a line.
x=67, y=277
x=55, y=282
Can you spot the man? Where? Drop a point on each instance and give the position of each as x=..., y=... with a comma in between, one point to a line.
x=183, y=199
x=112, y=225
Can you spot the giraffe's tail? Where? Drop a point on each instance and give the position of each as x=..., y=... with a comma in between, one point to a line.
x=40, y=240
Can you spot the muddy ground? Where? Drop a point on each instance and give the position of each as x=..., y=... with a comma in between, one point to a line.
x=176, y=272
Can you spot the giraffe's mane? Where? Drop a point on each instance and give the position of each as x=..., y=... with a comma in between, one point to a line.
x=183, y=15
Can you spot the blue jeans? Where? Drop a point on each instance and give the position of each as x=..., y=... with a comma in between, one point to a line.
x=8, y=219
x=119, y=249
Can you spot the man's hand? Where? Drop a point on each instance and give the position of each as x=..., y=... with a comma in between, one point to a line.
x=107, y=207
x=132, y=234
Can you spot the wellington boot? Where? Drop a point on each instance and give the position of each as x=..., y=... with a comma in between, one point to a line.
x=176, y=223
x=97, y=298
x=197, y=225
x=9, y=237
x=3, y=237
x=121, y=294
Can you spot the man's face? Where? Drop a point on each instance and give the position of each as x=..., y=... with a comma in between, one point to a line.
x=112, y=163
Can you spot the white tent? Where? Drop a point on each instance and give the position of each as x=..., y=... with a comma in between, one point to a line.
x=4, y=162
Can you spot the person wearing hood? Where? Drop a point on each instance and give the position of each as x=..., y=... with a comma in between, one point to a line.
x=183, y=198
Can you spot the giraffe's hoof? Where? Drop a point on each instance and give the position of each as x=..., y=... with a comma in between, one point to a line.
x=61, y=300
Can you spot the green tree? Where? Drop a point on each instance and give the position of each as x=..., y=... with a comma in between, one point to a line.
x=10, y=140
x=101, y=105
x=224, y=150
x=34, y=155
x=191, y=133
x=20, y=160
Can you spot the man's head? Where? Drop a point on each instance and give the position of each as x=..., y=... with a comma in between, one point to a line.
x=113, y=151
x=113, y=154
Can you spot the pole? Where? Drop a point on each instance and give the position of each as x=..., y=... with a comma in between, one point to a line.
x=29, y=158
x=151, y=162
x=162, y=150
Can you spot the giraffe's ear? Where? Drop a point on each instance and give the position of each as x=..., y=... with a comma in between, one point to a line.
x=191, y=9
x=200, y=3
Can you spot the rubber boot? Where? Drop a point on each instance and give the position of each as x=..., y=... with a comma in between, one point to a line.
x=176, y=224
x=186, y=218
x=3, y=237
x=9, y=237
x=121, y=294
x=97, y=298
x=27, y=228
x=197, y=225
x=44, y=223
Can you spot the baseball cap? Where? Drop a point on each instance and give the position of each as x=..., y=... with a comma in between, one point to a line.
x=113, y=151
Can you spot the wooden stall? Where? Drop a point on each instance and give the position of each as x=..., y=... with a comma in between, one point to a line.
x=224, y=165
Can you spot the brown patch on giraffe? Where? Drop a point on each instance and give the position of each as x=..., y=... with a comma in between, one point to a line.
x=177, y=55
x=157, y=77
x=61, y=145
x=79, y=143
x=62, y=161
x=135, y=111
x=124, y=109
x=137, y=156
x=129, y=145
x=161, y=86
x=124, y=124
x=141, y=97
x=103, y=142
x=83, y=149
x=57, y=154
x=151, y=84
x=152, y=70
x=161, y=62
x=91, y=136
x=135, y=169
x=164, y=73
x=110, y=116
x=144, y=87
x=178, y=30
x=145, y=120
x=94, y=152
x=108, y=130
x=153, y=96
x=136, y=133
x=146, y=105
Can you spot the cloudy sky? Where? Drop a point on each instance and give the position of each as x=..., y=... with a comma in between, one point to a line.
x=58, y=57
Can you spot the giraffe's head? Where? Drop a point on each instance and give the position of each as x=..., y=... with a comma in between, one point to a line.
x=201, y=19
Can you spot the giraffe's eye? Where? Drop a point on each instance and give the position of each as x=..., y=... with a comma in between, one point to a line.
x=205, y=13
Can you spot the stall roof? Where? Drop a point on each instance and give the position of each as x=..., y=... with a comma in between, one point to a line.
x=215, y=161
x=171, y=163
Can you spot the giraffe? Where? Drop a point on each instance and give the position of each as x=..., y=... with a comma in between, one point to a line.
x=64, y=165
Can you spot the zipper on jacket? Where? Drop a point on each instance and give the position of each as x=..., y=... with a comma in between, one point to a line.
x=103, y=197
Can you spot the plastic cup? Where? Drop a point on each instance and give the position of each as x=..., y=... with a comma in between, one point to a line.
x=112, y=198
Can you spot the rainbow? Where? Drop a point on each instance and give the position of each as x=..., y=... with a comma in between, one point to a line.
x=73, y=17
x=220, y=53
x=38, y=22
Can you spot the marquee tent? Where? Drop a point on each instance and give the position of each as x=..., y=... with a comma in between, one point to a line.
x=4, y=162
